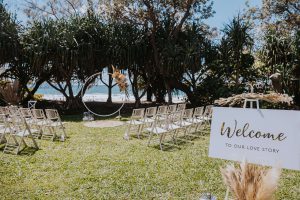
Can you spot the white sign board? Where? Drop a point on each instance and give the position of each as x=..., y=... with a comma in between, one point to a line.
x=266, y=137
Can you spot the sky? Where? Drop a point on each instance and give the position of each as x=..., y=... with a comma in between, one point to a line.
x=225, y=10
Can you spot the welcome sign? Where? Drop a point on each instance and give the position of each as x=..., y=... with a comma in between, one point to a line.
x=266, y=137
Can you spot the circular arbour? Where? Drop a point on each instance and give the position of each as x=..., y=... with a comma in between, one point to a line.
x=91, y=111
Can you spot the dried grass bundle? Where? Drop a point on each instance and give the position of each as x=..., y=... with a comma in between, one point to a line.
x=10, y=92
x=120, y=79
x=251, y=182
x=274, y=98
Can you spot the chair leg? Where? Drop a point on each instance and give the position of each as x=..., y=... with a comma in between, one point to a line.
x=160, y=141
x=139, y=131
x=34, y=142
x=127, y=132
x=150, y=137
x=174, y=137
x=64, y=132
x=3, y=139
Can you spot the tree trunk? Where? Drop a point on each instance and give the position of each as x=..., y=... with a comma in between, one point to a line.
x=149, y=94
x=31, y=93
x=109, y=98
x=169, y=92
x=137, y=103
x=160, y=96
x=110, y=86
x=73, y=103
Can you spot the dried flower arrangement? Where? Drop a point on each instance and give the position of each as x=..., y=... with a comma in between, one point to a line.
x=251, y=182
x=10, y=92
x=274, y=98
x=120, y=79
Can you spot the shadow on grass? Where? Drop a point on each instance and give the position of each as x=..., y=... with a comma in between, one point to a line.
x=181, y=141
x=167, y=147
x=28, y=151
x=78, y=118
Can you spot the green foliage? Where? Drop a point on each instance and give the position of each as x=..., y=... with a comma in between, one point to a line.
x=235, y=51
x=8, y=37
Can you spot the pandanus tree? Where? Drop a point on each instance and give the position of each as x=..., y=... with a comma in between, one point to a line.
x=66, y=52
x=9, y=39
x=238, y=43
x=127, y=50
x=10, y=58
x=162, y=22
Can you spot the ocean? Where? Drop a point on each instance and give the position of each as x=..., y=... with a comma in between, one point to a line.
x=96, y=93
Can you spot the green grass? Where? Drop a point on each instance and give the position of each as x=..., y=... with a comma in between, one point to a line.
x=99, y=164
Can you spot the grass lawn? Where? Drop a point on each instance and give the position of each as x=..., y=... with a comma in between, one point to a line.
x=98, y=164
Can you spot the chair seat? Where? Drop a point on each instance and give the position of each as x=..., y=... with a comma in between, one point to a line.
x=173, y=126
x=41, y=123
x=4, y=130
x=195, y=120
x=29, y=121
x=134, y=122
x=26, y=132
x=206, y=118
x=186, y=123
x=54, y=124
x=157, y=130
x=148, y=120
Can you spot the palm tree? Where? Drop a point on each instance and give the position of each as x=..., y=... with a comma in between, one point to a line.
x=238, y=42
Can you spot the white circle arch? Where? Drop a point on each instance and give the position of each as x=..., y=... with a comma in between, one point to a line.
x=100, y=115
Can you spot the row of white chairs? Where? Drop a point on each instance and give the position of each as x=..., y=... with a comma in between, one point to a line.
x=20, y=124
x=171, y=119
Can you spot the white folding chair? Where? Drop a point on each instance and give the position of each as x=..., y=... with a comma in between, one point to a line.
x=4, y=128
x=135, y=123
x=197, y=119
x=187, y=116
x=207, y=114
x=177, y=123
x=171, y=108
x=13, y=110
x=3, y=110
x=150, y=115
x=41, y=122
x=39, y=117
x=181, y=106
x=55, y=125
x=161, y=127
x=27, y=115
x=19, y=130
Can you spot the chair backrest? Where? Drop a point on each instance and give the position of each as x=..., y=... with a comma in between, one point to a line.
x=188, y=113
x=3, y=120
x=208, y=111
x=16, y=123
x=138, y=113
x=52, y=114
x=198, y=111
x=172, y=108
x=181, y=106
x=26, y=113
x=13, y=110
x=150, y=112
x=38, y=114
x=176, y=117
x=3, y=110
x=162, y=110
